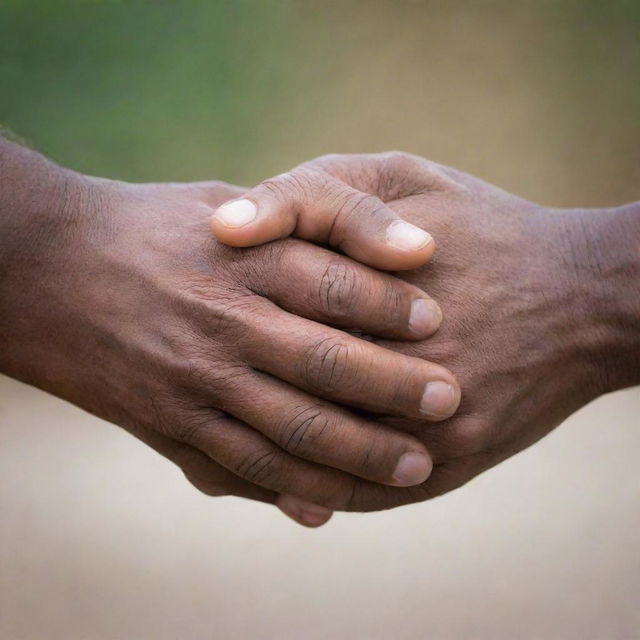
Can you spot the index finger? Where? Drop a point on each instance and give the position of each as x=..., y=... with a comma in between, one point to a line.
x=333, y=289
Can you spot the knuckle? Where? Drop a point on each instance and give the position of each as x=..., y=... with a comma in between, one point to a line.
x=300, y=433
x=194, y=427
x=334, y=165
x=231, y=318
x=402, y=162
x=353, y=208
x=215, y=381
x=326, y=364
x=400, y=175
x=339, y=290
x=294, y=186
x=356, y=205
x=262, y=468
x=254, y=267
x=279, y=186
x=399, y=159
x=404, y=174
x=221, y=315
x=211, y=310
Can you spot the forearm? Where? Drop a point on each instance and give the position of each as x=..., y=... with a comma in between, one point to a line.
x=38, y=211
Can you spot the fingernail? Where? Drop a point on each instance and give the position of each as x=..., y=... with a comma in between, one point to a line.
x=403, y=235
x=438, y=398
x=236, y=213
x=425, y=317
x=413, y=468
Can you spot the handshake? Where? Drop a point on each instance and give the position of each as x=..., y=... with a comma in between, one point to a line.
x=362, y=332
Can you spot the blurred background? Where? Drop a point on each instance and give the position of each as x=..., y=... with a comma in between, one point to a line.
x=102, y=539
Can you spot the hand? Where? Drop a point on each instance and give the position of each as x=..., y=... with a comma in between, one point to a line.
x=120, y=302
x=541, y=311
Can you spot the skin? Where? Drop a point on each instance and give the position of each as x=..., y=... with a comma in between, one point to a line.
x=112, y=296
x=116, y=297
x=541, y=306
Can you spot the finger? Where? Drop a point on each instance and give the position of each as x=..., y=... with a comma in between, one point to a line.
x=203, y=472
x=302, y=511
x=315, y=206
x=335, y=290
x=326, y=434
x=445, y=478
x=336, y=366
x=214, y=480
x=254, y=458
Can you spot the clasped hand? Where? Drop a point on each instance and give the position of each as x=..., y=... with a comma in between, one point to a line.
x=365, y=331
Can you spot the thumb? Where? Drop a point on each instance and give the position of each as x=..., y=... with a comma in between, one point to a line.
x=316, y=206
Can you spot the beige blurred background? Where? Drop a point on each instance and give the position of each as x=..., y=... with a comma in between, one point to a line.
x=101, y=539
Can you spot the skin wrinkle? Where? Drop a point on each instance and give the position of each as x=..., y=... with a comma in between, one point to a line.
x=152, y=325
x=122, y=334
x=301, y=432
x=337, y=290
x=333, y=359
x=341, y=196
x=302, y=183
x=257, y=469
x=514, y=328
x=355, y=209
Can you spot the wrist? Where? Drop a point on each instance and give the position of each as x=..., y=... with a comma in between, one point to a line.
x=605, y=262
x=40, y=203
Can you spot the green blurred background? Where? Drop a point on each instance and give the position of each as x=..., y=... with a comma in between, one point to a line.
x=102, y=540
x=540, y=97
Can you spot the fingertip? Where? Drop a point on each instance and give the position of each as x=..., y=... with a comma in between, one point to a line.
x=245, y=223
x=412, y=468
x=232, y=223
x=425, y=317
x=236, y=213
x=303, y=512
x=440, y=399
x=411, y=246
x=406, y=236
